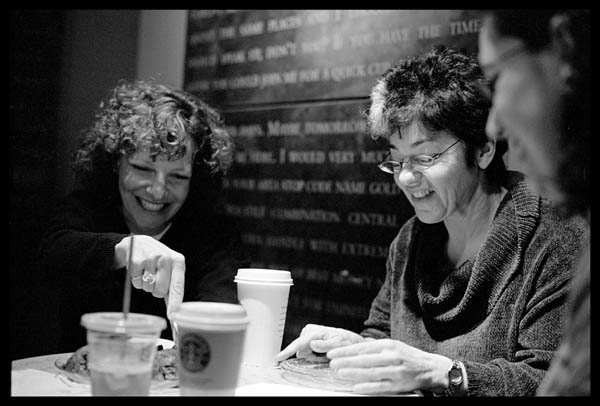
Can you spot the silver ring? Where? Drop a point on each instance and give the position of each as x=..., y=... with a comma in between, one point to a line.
x=149, y=277
x=135, y=277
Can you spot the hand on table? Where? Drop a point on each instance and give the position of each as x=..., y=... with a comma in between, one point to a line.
x=389, y=366
x=166, y=268
x=319, y=339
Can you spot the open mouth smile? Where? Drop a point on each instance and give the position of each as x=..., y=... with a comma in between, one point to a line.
x=149, y=206
x=421, y=194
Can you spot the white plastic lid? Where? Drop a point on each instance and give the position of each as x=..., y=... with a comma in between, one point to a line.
x=219, y=315
x=257, y=275
x=114, y=322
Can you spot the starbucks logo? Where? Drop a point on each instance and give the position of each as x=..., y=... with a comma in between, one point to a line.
x=195, y=352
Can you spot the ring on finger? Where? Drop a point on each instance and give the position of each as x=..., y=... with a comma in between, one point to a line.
x=148, y=277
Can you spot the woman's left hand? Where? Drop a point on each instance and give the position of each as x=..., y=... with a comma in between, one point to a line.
x=389, y=366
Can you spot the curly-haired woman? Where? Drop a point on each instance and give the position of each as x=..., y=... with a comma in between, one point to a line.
x=148, y=169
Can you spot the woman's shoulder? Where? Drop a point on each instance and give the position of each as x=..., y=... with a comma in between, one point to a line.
x=553, y=220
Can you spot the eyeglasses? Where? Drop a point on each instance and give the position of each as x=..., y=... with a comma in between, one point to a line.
x=418, y=162
x=492, y=69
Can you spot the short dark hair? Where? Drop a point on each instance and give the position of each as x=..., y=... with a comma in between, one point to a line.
x=442, y=90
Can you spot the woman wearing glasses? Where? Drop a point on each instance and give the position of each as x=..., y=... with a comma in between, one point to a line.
x=540, y=63
x=476, y=282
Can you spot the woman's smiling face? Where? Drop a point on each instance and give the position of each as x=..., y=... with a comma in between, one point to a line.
x=442, y=189
x=153, y=191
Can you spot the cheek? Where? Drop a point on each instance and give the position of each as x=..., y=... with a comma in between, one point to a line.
x=180, y=192
x=128, y=181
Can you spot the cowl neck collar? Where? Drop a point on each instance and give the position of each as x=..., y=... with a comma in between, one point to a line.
x=453, y=299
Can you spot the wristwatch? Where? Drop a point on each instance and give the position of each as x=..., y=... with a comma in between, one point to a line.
x=455, y=376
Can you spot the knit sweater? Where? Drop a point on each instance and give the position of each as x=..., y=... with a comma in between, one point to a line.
x=500, y=312
x=570, y=372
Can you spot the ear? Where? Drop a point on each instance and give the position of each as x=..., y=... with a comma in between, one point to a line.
x=485, y=154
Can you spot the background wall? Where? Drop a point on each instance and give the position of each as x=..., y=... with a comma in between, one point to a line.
x=293, y=86
x=161, y=46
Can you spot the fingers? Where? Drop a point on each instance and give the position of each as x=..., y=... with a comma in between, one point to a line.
x=299, y=344
x=157, y=269
x=313, y=337
x=135, y=273
x=149, y=274
x=177, y=283
x=361, y=361
x=164, y=267
x=326, y=344
x=379, y=387
x=355, y=349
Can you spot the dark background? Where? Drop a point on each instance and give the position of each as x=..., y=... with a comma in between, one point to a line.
x=62, y=62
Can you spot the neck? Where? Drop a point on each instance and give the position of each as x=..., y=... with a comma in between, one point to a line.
x=152, y=232
x=468, y=229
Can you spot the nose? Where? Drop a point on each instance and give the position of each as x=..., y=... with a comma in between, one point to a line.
x=493, y=128
x=158, y=188
x=407, y=176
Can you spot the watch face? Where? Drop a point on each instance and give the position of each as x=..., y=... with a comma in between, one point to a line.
x=455, y=376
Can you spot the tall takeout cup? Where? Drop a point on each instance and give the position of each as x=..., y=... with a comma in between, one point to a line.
x=210, y=341
x=264, y=294
x=122, y=351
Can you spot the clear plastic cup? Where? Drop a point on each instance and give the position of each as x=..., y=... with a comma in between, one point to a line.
x=121, y=351
x=264, y=294
x=210, y=341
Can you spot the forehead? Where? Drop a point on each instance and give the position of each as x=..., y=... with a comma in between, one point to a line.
x=492, y=45
x=185, y=162
x=416, y=134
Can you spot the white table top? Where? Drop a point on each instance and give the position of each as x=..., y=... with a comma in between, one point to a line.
x=38, y=376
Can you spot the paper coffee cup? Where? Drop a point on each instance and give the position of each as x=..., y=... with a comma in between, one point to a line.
x=264, y=294
x=210, y=343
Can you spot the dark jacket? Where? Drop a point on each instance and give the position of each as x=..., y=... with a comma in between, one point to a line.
x=78, y=248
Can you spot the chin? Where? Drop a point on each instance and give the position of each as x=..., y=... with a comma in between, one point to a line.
x=427, y=218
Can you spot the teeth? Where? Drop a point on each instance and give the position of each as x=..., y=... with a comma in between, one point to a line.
x=419, y=195
x=151, y=206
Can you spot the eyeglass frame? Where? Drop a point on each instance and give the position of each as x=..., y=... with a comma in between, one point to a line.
x=398, y=166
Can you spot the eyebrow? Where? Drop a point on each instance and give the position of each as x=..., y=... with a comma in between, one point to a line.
x=414, y=144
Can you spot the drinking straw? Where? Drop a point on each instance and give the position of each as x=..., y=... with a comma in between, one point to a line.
x=126, y=298
x=127, y=291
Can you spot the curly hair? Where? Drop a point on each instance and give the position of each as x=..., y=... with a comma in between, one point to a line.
x=140, y=115
x=442, y=90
